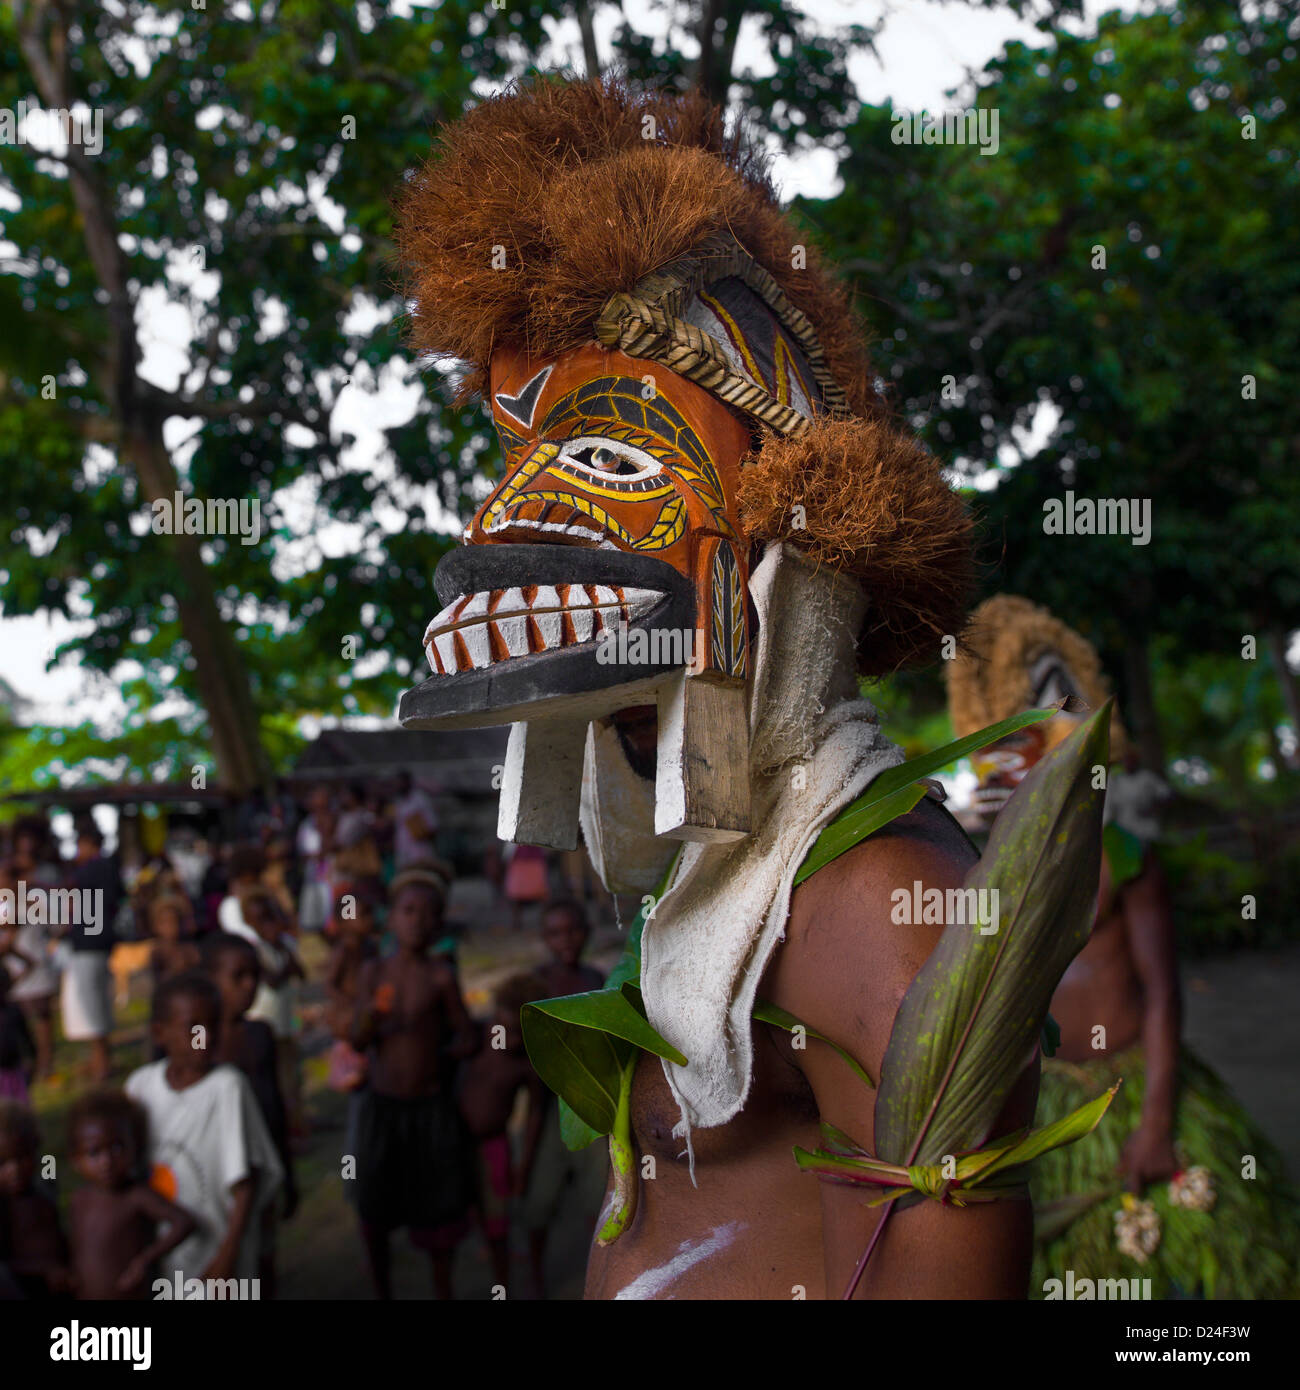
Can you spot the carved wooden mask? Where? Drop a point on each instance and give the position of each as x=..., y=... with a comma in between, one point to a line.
x=605, y=456
x=608, y=569
x=1002, y=766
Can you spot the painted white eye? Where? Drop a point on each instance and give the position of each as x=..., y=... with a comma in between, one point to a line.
x=606, y=458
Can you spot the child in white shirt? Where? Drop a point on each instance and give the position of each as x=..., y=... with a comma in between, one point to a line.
x=209, y=1146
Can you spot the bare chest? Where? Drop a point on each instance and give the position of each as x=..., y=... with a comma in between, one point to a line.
x=750, y=1224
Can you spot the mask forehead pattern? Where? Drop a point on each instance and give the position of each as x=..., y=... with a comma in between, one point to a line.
x=718, y=318
x=755, y=343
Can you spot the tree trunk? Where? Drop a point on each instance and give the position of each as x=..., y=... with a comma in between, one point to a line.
x=703, y=73
x=588, y=30
x=1286, y=679
x=219, y=672
x=727, y=60
x=1139, y=705
x=218, y=668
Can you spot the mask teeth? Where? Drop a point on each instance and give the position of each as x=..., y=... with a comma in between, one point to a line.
x=476, y=630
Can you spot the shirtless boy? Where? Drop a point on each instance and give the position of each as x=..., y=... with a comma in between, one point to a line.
x=564, y=934
x=174, y=948
x=114, y=1219
x=414, y=1160
x=553, y=1171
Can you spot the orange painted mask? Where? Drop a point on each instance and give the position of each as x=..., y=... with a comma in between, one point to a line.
x=616, y=511
x=608, y=570
x=1000, y=768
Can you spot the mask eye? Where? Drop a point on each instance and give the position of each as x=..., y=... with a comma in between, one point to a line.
x=609, y=458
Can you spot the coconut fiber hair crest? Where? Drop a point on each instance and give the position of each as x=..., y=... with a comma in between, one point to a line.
x=1018, y=655
x=541, y=204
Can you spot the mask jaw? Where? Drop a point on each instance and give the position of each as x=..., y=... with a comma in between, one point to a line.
x=701, y=769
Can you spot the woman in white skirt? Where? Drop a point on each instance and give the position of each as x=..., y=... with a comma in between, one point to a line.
x=87, y=994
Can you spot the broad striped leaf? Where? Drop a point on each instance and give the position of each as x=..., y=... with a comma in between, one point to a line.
x=972, y=1014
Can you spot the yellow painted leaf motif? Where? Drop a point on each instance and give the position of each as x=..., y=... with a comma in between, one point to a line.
x=707, y=487
x=541, y=456
x=592, y=509
x=668, y=528
x=737, y=623
x=718, y=642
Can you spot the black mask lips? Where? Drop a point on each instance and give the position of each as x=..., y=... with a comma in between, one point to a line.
x=557, y=682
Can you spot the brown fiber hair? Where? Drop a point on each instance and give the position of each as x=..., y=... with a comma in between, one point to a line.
x=989, y=680
x=562, y=177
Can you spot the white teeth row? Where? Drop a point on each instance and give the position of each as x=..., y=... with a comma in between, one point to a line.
x=559, y=528
x=525, y=627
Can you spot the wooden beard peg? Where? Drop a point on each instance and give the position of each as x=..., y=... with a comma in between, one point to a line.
x=541, y=786
x=702, y=773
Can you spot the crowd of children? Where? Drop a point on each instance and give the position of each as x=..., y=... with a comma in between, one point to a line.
x=184, y=1171
x=187, y=1170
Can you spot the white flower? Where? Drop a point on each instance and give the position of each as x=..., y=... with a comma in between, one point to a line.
x=1193, y=1188
x=1137, y=1229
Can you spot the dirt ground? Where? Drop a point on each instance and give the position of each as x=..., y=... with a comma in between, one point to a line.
x=1240, y=1014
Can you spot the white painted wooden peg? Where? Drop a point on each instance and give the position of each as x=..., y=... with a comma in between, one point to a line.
x=541, y=787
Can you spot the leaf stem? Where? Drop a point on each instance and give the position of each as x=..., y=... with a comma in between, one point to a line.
x=866, y=1255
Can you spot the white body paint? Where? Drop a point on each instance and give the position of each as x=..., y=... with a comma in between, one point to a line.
x=653, y=1282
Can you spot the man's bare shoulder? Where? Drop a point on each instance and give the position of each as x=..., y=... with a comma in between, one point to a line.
x=852, y=894
x=846, y=963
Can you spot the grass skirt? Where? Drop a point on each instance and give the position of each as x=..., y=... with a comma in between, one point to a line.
x=1246, y=1246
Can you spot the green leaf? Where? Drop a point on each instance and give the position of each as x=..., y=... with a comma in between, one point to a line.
x=579, y=1043
x=915, y=768
x=897, y=790
x=576, y=1133
x=581, y=1064
x=609, y=1011
x=1123, y=854
x=629, y=963
x=1066, y=1130
x=766, y=1012
x=972, y=1014
x=842, y=1160
x=837, y=1142
x=869, y=1171
x=864, y=817
x=584, y=1075
x=622, y=1162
